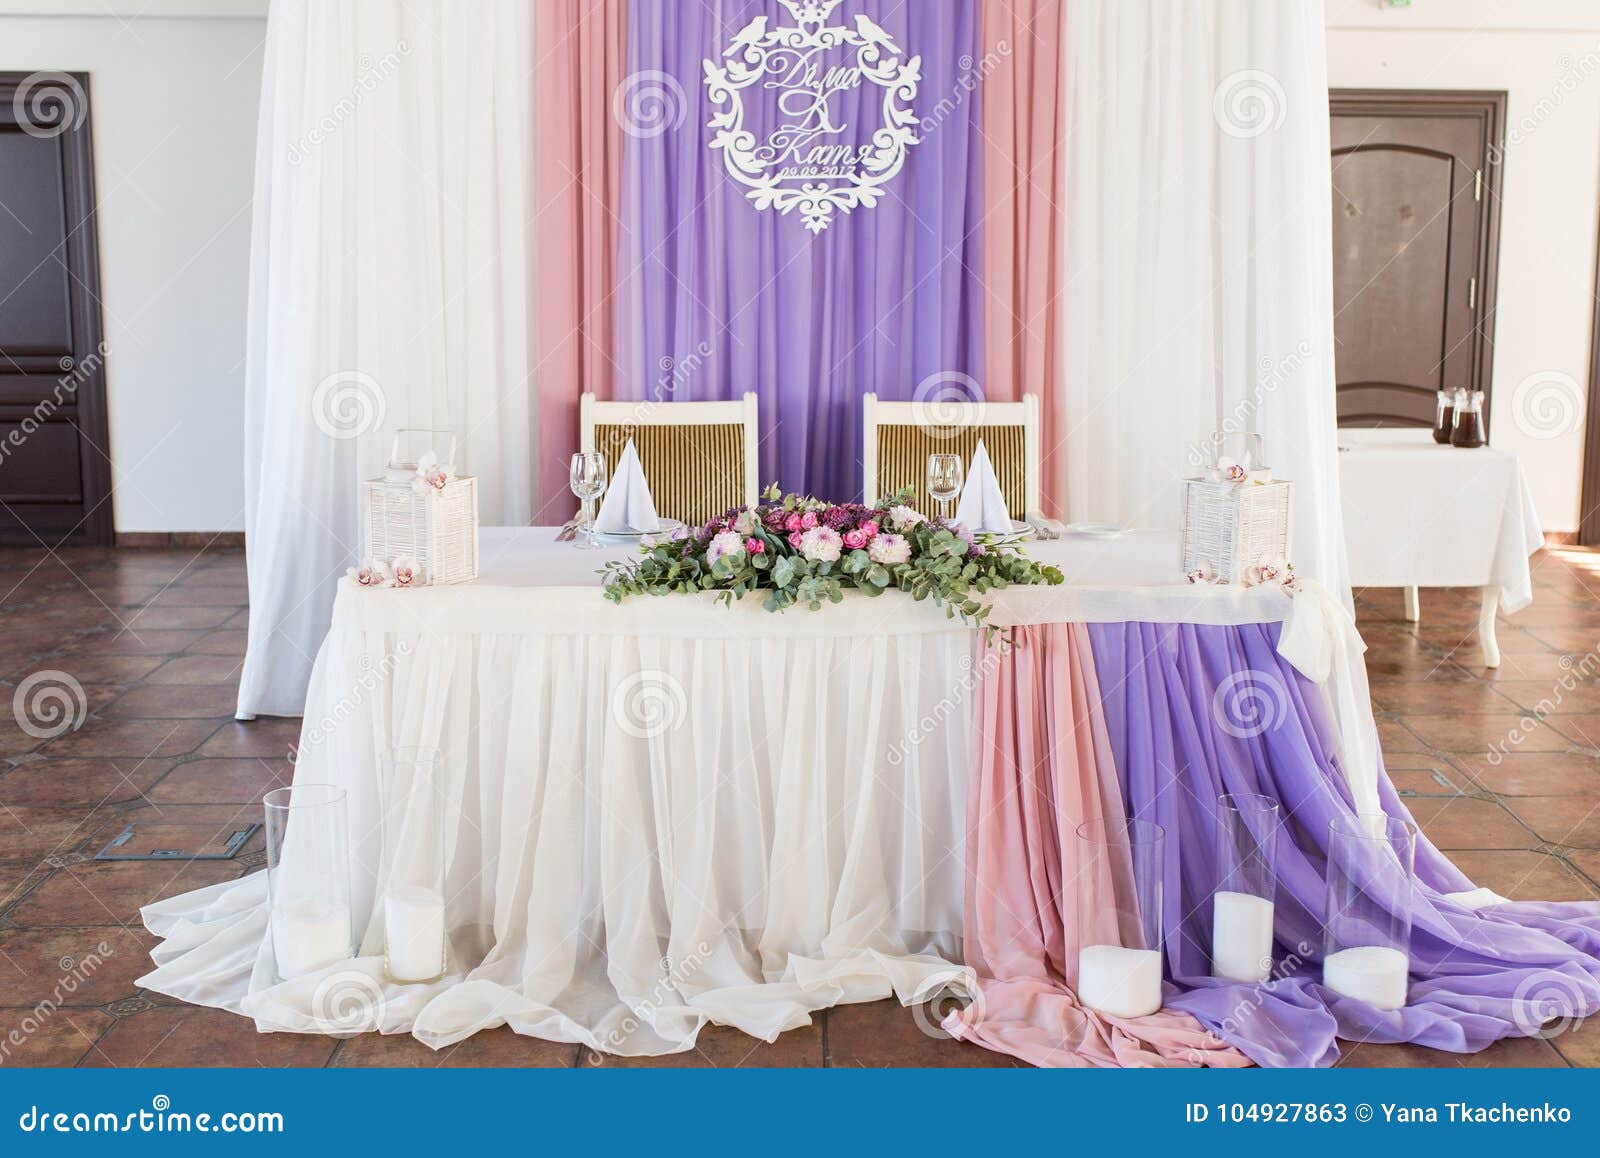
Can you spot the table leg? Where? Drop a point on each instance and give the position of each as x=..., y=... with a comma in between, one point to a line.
x=1413, y=604
x=1486, y=639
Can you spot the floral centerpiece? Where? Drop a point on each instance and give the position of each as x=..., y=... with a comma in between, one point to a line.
x=802, y=550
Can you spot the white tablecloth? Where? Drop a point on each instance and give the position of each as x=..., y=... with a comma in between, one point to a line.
x=669, y=812
x=1419, y=514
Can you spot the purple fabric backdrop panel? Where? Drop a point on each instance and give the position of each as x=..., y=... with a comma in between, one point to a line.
x=1476, y=975
x=718, y=297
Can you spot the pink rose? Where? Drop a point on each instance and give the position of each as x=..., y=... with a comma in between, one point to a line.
x=869, y=529
x=792, y=523
x=808, y=520
x=794, y=540
x=856, y=539
x=755, y=546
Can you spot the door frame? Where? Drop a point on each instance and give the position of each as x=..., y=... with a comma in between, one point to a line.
x=1489, y=106
x=87, y=368
x=1589, y=484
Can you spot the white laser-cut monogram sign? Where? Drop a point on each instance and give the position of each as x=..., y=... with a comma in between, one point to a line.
x=810, y=160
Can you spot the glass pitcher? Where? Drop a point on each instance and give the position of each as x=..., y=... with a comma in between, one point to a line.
x=1444, y=415
x=1469, y=427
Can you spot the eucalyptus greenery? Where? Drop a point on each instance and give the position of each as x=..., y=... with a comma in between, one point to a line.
x=801, y=550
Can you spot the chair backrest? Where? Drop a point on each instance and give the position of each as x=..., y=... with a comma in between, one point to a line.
x=899, y=437
x=698, y=457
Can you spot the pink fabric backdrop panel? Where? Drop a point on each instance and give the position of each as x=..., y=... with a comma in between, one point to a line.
x=578, y=171
x=1023, y=121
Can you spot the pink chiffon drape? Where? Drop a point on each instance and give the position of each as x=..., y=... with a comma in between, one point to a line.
x=1023, y=91
x=1043, y=766
x=578, y=180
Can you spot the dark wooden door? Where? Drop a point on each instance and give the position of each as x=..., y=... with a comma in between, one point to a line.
x=54, y=459
x=1415, y=176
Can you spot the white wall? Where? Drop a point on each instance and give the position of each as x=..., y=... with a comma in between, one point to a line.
x=1546, y=56
x=174, y=86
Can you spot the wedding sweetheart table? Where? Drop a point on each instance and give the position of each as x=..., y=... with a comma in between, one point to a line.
x=669, y=812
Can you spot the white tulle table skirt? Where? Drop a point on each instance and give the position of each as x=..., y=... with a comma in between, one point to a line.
x=647, y=829
x=670, y=812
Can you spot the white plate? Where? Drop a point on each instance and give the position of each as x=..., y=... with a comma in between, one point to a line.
x=1019, y=532
x=666, y=528
x=1096, y=530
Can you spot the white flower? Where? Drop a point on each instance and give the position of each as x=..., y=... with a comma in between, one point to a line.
x=889, y=550
x=726, y=543
x=904, y=518
x=821, y=544
x=746, y=522
x=409, y=573
x=372, y=573
x=1204, y=573
x=430, y=475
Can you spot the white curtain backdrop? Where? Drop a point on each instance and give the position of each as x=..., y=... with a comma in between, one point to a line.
x=391, y=276
x=1198, y=247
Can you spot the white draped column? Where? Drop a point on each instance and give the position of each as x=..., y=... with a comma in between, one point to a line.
x=1198, y=289
x=390, y=286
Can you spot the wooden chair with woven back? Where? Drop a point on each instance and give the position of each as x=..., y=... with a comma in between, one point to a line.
x=700, y=458
x=898, y=437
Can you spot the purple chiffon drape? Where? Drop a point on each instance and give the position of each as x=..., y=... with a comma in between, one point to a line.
x=1477, y=975
x=717, y=298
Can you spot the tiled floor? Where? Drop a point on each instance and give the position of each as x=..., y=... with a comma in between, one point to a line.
x=155, y=640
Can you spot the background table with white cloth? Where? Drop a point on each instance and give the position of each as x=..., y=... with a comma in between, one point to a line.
x=668, y=811
x=1421, y=514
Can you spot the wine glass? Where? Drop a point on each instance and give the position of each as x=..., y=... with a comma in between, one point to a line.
x=944, y=480
x=587, y=478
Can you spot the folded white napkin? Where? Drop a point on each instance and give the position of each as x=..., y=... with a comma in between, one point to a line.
x=982, y=506
x=628, y=505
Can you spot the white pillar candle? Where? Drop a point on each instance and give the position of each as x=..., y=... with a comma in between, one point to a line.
x=413, y=919
x=1375, y=974
x=1241, y=937
x=1120, y=982
x=308, y=935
